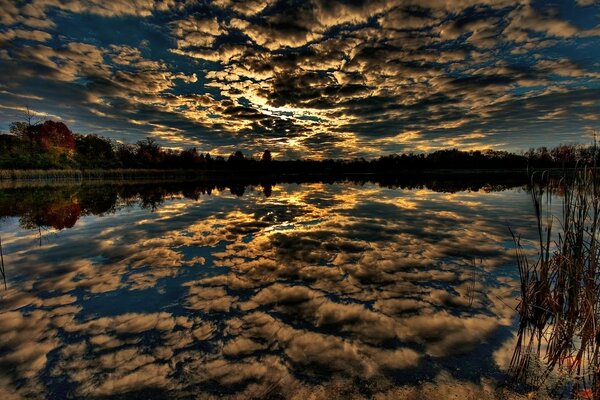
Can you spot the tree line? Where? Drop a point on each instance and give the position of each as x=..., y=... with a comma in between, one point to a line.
x=61, y=207
x=52, y=145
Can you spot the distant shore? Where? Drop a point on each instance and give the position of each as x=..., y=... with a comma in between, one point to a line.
x=151, y=174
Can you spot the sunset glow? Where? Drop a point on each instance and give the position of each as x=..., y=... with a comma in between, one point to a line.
x=307, y=78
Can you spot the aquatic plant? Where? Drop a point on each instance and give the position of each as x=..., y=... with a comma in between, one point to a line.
x=559, y=309
x=2, y=269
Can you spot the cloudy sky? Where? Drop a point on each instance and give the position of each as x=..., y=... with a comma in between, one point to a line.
x=314, y=78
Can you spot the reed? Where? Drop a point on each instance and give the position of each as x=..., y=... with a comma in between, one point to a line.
x=559, y=309
x=2, y=269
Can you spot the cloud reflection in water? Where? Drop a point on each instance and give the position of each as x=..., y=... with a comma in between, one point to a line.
x=255, y=296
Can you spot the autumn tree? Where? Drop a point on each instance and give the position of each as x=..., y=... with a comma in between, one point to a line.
x=57, y=136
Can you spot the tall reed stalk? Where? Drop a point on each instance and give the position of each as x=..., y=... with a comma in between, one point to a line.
x=559, y=308
x=2, y=270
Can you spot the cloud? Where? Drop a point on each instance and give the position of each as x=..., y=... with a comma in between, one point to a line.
x=24, y=34
x=196, y=31
x=142, y=8
x=526, y=19
x=318, y=78
x=246, y=8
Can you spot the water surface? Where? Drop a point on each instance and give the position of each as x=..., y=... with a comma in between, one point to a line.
x=190, y=291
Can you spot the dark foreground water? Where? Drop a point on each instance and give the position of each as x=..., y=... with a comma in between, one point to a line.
x=283, y=291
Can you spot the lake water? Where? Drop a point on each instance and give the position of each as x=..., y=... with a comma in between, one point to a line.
x=273, y=291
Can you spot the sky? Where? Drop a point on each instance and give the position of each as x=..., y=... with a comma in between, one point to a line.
x=310, y=79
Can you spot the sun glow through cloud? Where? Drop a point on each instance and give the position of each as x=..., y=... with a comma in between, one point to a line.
x=307, y=79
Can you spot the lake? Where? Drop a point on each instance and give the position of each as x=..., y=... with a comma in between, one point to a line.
x=283, y=290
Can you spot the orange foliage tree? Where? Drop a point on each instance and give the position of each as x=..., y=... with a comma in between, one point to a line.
x=56, y=136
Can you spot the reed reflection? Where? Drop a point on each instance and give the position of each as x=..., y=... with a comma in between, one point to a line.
x=171, y=292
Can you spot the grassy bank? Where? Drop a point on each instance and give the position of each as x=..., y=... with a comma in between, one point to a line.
x=126, y=174
x=94, y=174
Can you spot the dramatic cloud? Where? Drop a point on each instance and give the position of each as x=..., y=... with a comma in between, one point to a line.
x=307, y=78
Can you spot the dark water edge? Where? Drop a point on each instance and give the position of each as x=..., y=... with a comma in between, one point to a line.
x=74, y=198
x=153, y=174
x=20, y=178
x=442, y=180
x=52, y=175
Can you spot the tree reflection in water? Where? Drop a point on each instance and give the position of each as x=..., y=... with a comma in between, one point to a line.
x=61, y=206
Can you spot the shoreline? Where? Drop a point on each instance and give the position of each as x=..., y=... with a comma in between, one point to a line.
x=439, y=177
x=149, y=174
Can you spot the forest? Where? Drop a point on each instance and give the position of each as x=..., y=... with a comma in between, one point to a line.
x=52, y=145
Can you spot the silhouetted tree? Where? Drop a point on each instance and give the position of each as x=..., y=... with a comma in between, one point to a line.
x=266, y=157
x=149, y=152
x=24, y=131
x=126, y=155
x=189, y=158
x=267, y=189
x=236, y=158
x=93, y=151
